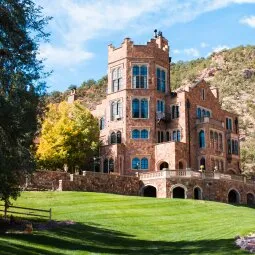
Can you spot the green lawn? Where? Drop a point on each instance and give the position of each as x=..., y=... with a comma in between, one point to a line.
x=114, y=224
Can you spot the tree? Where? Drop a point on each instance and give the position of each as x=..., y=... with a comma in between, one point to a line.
x=21, y=74
x=69, y=135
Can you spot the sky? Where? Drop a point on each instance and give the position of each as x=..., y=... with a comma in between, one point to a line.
x=81, y=30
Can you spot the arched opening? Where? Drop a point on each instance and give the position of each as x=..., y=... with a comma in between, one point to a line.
x=202, y=162
x=180, y=165
x=178, y=192
x=233, y=197
x=197, y=193
x=106, y=166
x=149, y=191
x=163, y=165
x=250, y=199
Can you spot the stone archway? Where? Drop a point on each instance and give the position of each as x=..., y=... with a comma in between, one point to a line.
x=163, y=165
x=149, y=191
x=250, y=199
x=197, y=193
x=233, y=197
x=178, y=191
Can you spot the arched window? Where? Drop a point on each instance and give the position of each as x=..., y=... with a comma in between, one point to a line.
x=173, y=111
x=144, y=134
x=202, y=162
x=139, y=76
x=144, y=108
x=144, y=163
x=111, y=165
x=167, y=136
x=101, y=123
x=136, y=163
x=135, y=134
x=202, y=139
x=118, y=137
x=174, y=135
x=113, y=138
x=203, y=113
x=180, y=165
x=135, y=108
x=211, y=139
x=106, y=166
x=199, y=113
x=178, y=135
x=208, y=114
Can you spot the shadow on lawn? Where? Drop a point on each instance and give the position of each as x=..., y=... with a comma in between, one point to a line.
x=93, y=239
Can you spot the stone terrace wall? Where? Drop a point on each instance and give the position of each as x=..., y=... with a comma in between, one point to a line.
x=45, y=180
x=99, y=182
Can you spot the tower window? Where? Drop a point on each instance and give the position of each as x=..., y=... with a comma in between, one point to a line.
x=161, y=80
x=116, y=79
x=140, y=76
x=140, y=108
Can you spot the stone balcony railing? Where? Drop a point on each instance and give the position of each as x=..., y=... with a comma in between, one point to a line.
x=166, y=173
x=209, y=120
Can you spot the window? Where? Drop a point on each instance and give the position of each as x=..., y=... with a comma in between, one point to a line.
x=160, y=106
x=203, y=113
x=136, y=163
x=161, y=80
x=161, y=136
x=118, y=137
x=135, y=134
x=228, y=124
x=202, y=162
x=202, y=139
x=233, y=147
x=178, y=136
x=140, y=76
x=116, y=79
x=116, y=110
x=140, y=108
x=158, y=136
x=236, y=148
x=106, y=166
x=113, y=138
x=175, y=111
x=144, y=163
x=111, y=165
x=229, y=146
x=167, y=136
x=101, y=123
x=199, y=113
x=208, y=114
x=216, y=140
x=220, y=142
x=211, y=139
x=140, y=164
x=174, y=135
x=203, y=94
x=144, y=134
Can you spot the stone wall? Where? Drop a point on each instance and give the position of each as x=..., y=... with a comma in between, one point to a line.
x=99, y=182
x=45, y=180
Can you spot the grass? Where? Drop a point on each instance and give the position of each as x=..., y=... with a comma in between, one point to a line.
x=114, y=224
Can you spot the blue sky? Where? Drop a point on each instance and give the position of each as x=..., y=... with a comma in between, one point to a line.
x=82, y=29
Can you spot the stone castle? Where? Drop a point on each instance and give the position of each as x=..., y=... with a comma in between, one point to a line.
x=178, y=143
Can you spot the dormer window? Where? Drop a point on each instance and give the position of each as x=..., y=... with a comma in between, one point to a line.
x=140, y=78
x=116, y=79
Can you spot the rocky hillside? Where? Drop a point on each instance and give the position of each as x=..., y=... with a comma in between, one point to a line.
x=232, y=71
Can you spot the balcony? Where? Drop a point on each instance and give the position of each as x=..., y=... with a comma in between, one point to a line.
x=161, y=116
x=209, y=120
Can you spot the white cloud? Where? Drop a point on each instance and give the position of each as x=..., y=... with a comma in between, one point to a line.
x=250, y=21
x=63, y=56
x=76, y=22
x=204, y=45
x=191, y=52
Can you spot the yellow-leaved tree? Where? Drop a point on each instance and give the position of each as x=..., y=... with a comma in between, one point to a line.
x=69, y=135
